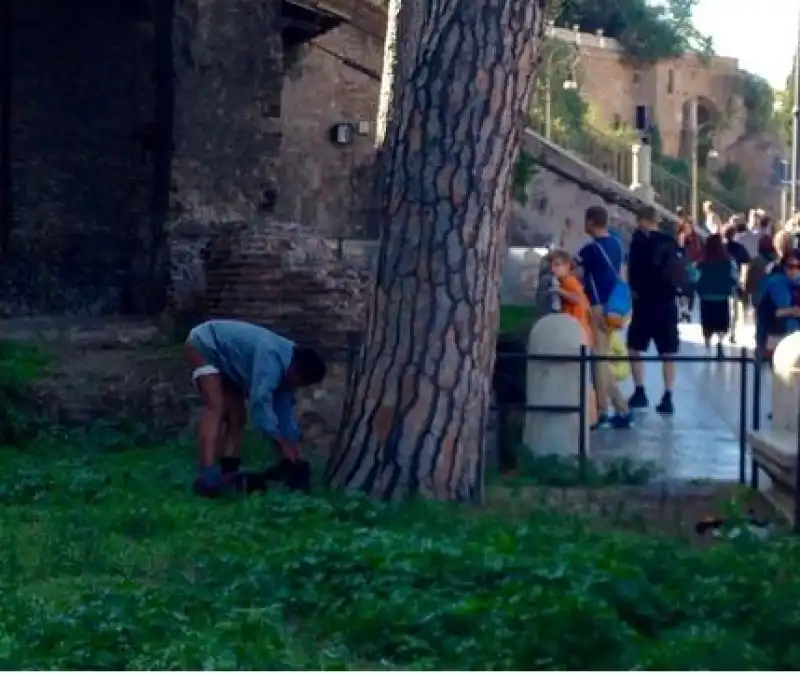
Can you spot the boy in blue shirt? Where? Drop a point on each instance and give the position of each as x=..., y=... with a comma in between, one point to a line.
x=234, y=362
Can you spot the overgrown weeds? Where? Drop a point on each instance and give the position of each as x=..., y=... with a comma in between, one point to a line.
x=108, y=562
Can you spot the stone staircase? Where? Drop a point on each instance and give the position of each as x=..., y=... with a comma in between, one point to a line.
x=614, y=157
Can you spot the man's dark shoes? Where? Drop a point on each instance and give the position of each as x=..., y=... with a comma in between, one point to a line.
x=230, y=465
x=209, y=483
x=295, y=475
x=299, y=478
x=666, y=407
x=639, y=399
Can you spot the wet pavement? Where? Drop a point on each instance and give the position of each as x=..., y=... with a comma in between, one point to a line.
x=701, y=440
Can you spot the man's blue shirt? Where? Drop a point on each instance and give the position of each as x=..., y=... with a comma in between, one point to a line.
x=601, y=260
x=781, y=290
x=255, y=360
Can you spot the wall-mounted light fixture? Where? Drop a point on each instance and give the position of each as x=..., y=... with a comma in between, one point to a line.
x=342, y=133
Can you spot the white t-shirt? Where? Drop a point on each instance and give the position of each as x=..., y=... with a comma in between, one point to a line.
x=713, y=223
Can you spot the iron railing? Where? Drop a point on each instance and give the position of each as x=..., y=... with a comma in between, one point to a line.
x=584, y=359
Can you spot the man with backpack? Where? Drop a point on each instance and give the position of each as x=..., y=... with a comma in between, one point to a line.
x=657, y=274
x=602, y=260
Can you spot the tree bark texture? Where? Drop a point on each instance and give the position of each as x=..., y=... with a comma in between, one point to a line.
x=416, y=411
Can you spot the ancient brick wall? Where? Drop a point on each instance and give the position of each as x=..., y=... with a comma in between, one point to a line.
x=614, y=87
x=228, y=60
x=81, y=177
x=324, y=185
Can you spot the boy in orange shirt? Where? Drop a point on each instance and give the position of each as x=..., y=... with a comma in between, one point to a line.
x=569, y=288
x=575, y=303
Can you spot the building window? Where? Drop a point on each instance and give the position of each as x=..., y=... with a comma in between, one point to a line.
x=671, y=82
x=636, y=78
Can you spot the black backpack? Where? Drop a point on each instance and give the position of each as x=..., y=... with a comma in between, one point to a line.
x=672, y=266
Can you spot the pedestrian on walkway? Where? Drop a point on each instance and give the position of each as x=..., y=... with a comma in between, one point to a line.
x=717, y=285
x=738, y=301
x=777, y=312
x=749, y=233
x=691, y=248
x=656, y=272
x=602, y=261
x=713, y=222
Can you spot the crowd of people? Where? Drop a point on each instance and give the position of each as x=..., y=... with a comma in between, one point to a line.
x=740, y=271
x=747, y=271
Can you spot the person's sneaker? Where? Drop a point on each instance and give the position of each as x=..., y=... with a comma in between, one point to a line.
x=622, y=420
x=665, y=407
x=230, y=465
x=639, y=399
x=603, y=422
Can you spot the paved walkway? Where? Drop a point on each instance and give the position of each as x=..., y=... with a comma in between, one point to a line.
x=700, y=441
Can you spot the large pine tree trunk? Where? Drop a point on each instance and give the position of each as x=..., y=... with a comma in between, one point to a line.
x=457, y=79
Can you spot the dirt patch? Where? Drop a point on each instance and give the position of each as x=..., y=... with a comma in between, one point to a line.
x=671, y=509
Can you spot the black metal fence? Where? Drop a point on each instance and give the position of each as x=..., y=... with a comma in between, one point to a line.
x=585, y=358
x=748, y=389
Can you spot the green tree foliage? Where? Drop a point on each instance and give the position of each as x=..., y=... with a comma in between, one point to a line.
x=646, y=31
x=732, y=177
x=558, y=67
x=558, y=70
x=759, y=101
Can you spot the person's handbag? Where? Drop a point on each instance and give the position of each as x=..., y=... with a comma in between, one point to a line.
x=620, y=370
x=619, y=306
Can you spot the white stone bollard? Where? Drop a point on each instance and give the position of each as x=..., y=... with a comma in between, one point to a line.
x=786, y=384
x=555, y=383
x=642, y=184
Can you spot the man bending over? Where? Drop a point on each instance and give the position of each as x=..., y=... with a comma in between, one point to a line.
x=234, y=362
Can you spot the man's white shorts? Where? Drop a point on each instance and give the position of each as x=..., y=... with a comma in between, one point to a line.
x=204, y=370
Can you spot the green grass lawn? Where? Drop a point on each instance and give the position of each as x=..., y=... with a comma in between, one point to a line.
x=108, y=562
x=514, y=318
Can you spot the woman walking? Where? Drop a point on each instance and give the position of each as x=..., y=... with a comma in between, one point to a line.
x=719, y=277
x=691, y=248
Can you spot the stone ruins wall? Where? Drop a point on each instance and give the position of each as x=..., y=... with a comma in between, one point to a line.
x=321, y=184
x=614, y=86
x=81, y=176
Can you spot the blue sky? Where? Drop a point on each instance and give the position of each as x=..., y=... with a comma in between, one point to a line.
x=762, y=34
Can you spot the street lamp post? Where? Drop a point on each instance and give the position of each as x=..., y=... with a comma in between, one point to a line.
x=571, y=84
x=696, y=128
x=785, y=189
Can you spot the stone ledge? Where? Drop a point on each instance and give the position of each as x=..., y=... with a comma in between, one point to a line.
x=568, y=166
x=84, y=333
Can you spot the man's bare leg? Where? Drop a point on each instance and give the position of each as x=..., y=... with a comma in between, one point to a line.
x=210, y=386
x=234, y=422
x=668, y=369
x=637, y=368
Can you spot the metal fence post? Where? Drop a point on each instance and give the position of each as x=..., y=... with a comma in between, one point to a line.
x=584, y=358
x=506, y=456
x=756, y=417
x=743, y=415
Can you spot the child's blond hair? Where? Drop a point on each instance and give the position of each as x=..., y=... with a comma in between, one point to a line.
x=560, y=255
